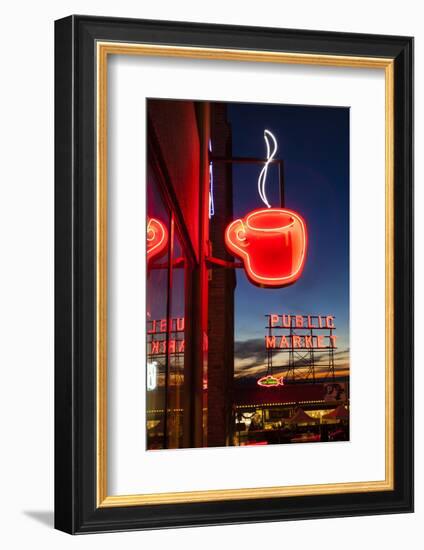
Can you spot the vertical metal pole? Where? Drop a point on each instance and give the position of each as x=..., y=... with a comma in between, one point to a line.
x=282, y=183
x=200, y=291
x=332, y=356
x=269, y=350
x=168, y=329
x=291, y=353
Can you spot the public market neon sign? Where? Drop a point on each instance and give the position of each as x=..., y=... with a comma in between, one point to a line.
x=271, y=242
x=289, y=333
x=157, y=331
x=304, y=342
x=301, y=332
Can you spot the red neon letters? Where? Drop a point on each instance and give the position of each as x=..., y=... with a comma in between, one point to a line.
x=157, y=238
x=272, y=243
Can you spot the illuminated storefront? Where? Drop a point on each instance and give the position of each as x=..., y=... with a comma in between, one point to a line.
x=176, y=285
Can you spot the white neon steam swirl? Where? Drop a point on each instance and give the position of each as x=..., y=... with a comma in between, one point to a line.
x=269, y=156
x=211, y=199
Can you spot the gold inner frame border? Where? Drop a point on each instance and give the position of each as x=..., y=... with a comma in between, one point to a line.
x=103, y=50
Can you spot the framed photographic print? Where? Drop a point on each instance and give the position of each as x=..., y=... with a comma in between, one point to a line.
x=234, y=274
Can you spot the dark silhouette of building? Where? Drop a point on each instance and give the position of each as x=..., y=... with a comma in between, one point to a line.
x=222, y=283
x=189, y=397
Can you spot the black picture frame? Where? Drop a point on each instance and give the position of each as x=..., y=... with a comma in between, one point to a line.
x=76, y=509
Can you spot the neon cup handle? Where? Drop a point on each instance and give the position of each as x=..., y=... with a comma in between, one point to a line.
x=236, y=234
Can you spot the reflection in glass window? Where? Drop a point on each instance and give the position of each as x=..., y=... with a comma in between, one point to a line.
x=165, y=311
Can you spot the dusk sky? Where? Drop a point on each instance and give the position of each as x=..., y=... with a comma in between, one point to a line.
x=314, y=144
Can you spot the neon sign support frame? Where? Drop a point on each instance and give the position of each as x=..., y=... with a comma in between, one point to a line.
x=211, y=260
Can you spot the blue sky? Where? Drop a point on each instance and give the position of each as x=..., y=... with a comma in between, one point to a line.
x=314, y=144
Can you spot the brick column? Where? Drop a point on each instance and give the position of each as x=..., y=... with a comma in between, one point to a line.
x=221, y=291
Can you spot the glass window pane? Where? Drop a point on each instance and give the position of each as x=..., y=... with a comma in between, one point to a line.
x=158, y=226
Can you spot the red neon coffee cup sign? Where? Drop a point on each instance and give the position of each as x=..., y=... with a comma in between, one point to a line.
x=271, y=242
x=157, y=238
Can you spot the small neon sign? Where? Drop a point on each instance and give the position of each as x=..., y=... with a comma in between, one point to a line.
x=157, y=238
x=152, y=375
x=270, y=381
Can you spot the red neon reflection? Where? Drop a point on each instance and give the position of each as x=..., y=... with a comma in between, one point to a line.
x=157, y=238
x=272, y=243
x=270, y=381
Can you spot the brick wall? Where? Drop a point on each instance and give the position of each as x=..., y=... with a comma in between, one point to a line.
x=221, y=291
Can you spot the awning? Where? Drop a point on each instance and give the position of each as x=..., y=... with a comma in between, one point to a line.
x=300, y=417
x=280, y=395
x=340, y=413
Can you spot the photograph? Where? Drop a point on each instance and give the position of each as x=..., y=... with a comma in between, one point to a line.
x=274, y=351
x=211, y=273
x=233, y=274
